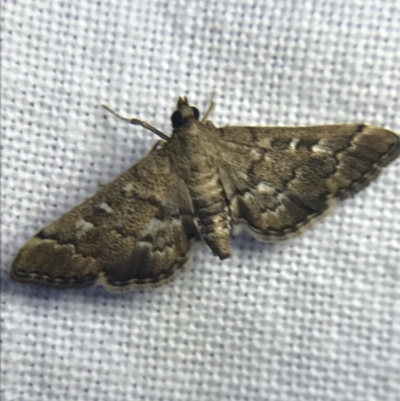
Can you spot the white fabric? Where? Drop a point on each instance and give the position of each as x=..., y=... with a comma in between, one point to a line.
x=315, y=318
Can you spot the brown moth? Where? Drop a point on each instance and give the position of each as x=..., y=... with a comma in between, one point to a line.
x=200, y=184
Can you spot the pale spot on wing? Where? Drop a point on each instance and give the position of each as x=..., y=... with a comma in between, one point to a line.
x=319, y=147
x=248, y=196
x=165, y=251
x=81, y=227
x=154, y=224
x=293, y=143
x=281, y=208
x=157, y=224
x=106, y=207
x=264, y=188
x=265, y=142
x=255, y=154
x=243, y=175
x=128, y=187
x=176, y=222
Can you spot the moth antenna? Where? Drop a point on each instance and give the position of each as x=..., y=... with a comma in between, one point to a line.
x=135, y=121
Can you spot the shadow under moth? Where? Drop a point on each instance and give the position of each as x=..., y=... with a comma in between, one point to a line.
x=202, y=183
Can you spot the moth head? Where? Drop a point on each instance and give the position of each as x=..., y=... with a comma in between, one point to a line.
x=184, y=113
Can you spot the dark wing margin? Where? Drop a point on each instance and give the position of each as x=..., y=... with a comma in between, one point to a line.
x=130, y=234
x=280, y=180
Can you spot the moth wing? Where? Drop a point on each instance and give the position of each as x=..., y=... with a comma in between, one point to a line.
x=130, y=234
x=282, y=179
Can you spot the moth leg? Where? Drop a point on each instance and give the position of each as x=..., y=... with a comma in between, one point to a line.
x=209, y=124
x=158, y=145
x=135, y=121
x=209, y=110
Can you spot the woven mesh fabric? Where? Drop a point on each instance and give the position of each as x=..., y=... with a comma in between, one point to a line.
x=314, y=318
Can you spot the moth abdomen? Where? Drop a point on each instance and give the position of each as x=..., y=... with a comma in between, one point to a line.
x=215, y=229
x=211, y=208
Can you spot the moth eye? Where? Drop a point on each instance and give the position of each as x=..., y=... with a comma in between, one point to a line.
x=196, y=113
x=177, y=119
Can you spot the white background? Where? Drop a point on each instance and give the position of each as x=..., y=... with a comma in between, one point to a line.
x=315, y=318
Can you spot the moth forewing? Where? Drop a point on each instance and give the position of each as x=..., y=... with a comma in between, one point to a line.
x=284, y=179
x=201, y=183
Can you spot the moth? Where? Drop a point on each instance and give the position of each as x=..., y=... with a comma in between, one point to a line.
x=202, y=183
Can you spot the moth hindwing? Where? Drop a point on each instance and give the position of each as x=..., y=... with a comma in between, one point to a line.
x=201, y=183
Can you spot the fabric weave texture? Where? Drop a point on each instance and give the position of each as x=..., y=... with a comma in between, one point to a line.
x=314, y=318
